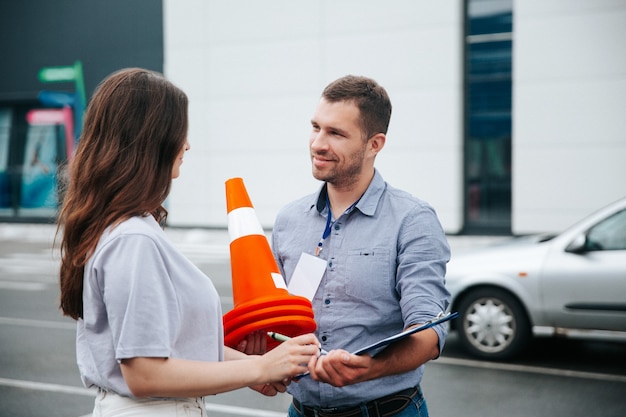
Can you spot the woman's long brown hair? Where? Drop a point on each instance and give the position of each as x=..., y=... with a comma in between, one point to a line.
x=134, y=128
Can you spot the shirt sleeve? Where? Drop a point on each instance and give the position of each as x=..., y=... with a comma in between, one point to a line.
x=422, y=258
x=140, y=300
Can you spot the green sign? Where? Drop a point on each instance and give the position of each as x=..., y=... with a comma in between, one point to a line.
x=54, y=74
x=64, y=74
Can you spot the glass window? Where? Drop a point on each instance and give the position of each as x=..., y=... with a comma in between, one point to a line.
x=610, y=234
x=488, y=80
x=5, y=134
x=39, y=170
x=30, y=157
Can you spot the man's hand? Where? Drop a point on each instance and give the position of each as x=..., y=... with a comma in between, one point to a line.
x=340, y=368
x=254, y=344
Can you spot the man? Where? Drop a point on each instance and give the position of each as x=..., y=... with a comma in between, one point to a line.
x=379, y=255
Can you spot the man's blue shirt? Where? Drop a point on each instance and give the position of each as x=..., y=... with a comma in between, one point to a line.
x=386, y=263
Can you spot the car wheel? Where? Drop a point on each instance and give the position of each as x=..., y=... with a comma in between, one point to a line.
x=492, y=324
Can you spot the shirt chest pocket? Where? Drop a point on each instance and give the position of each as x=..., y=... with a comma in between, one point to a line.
x=368, y=273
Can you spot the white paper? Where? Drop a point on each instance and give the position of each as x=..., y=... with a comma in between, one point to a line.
x=307, y=276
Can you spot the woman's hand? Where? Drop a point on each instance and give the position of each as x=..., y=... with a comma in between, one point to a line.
x=289, y=359
x=272, y=388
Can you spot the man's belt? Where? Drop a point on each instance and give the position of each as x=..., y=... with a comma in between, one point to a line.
x=380, y=407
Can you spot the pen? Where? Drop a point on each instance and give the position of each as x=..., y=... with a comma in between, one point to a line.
x=278, y=336
x=282, y=338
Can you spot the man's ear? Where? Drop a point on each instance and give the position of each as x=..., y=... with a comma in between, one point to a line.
x=377, y=143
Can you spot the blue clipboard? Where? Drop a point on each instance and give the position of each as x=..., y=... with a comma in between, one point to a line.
x=375, y=348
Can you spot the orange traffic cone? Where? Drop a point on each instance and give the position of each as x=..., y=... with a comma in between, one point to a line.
x=260, y=295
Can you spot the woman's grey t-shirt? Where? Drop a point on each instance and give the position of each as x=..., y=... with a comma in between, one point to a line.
x=143, y=298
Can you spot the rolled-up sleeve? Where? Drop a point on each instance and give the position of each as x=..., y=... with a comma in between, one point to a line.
x=422, y=258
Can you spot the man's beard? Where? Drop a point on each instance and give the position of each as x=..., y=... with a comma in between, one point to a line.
x=341, y=177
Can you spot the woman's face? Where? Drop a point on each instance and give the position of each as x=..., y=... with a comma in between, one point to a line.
x=179, y=160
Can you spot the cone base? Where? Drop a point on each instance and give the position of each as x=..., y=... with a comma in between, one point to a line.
x=233, y=322
x=288, y=325
x=283, y=313
x=269, y=301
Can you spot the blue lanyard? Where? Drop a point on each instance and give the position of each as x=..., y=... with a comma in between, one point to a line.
x=329, y=225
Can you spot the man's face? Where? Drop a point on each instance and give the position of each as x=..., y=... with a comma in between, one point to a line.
x=336, y=143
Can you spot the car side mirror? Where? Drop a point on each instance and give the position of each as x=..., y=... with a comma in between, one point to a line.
x=577, y=245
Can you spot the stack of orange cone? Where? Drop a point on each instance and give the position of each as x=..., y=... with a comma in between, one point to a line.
x=260, y=295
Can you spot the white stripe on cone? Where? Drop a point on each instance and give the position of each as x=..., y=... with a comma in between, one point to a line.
x=279, y=281
x=242, y=221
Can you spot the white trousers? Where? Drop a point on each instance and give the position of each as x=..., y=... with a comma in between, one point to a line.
x=110, y=404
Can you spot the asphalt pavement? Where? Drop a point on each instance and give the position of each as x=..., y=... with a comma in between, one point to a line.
x=38, y=374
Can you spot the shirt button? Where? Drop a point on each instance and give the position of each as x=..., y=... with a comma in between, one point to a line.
x=324, y=338
x=330, y=264
x=327, y=301
x=337, y=227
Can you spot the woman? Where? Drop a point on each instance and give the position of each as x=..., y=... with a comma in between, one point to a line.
x=150, y=334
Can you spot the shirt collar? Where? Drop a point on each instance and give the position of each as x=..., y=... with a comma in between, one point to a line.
x=368, y=202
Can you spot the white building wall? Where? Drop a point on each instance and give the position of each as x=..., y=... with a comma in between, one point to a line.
x=254, y=71
x=569, y=110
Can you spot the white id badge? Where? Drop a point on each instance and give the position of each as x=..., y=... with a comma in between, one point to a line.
x=307, y=276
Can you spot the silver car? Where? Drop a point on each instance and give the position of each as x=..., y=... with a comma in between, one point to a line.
x=572, y=284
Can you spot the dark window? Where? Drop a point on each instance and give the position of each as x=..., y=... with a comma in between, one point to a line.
x=488, y=89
